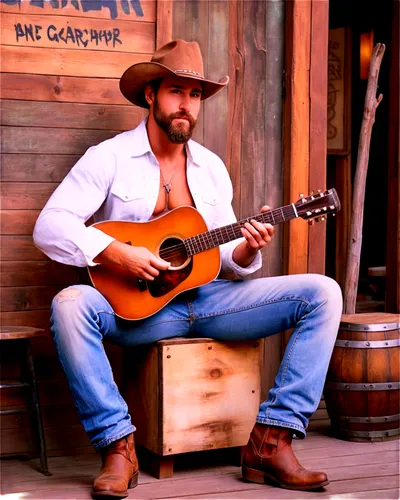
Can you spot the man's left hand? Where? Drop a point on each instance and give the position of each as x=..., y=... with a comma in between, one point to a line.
x=257, y=234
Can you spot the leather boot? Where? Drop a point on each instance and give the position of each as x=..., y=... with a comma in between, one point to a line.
x=120, y=469
x=269, y=458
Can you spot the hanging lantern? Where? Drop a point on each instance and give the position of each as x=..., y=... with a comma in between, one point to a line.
x=366, y=46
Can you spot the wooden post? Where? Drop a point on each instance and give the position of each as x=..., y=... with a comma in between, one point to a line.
x=393, y=216
x=305, y=144
x=371, y=103
x=318, y=125
x=297, y=123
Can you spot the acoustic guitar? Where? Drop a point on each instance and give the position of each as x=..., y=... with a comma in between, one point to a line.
x=182, y=238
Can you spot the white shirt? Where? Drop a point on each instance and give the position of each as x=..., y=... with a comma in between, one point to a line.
x=119, y=179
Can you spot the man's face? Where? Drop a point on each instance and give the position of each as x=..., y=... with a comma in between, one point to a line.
x=176, y=107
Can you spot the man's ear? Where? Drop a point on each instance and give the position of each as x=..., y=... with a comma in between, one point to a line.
x=149, y=94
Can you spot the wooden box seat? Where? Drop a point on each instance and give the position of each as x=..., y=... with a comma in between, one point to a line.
x=192, y=394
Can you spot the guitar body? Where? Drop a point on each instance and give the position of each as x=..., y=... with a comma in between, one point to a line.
x=137, y=299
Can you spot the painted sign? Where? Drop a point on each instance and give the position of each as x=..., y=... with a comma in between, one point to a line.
x=113, y=6
x=67, y=35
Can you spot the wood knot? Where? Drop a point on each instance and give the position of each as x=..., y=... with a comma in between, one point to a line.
x=57, y=89
x=216, y=373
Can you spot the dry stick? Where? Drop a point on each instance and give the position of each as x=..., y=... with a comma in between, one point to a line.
x=357, y=212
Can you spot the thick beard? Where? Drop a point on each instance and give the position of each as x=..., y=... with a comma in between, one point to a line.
x=176, y=133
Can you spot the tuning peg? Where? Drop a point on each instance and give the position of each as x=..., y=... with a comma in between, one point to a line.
x=323, y=218
x=310, y=222
x=301, y=195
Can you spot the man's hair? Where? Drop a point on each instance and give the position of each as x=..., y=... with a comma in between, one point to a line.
x=155, y=85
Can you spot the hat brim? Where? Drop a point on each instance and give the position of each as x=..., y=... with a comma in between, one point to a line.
x=135, y=79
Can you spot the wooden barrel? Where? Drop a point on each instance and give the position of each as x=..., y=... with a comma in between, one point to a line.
x=362, y=384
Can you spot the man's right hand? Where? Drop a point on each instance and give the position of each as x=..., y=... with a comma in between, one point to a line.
x=137, y=260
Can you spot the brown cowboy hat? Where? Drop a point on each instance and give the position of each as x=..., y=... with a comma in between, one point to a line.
x=178, y=58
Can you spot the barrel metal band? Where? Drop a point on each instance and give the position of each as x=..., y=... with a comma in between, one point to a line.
x=371, y=434
x=379, y=386
x=368, y=344
x=370, y=420
x=372, y=327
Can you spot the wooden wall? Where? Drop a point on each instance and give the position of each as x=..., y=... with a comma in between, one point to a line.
x=61, y=65
x=59, y=98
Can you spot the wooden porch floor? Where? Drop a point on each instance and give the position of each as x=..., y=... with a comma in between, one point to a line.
x=356, y=471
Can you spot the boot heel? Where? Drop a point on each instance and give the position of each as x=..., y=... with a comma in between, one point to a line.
x=252, y=475
x=133, y=481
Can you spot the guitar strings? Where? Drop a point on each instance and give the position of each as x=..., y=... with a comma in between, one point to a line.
x=175, y=250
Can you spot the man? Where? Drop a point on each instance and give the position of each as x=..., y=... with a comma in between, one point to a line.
x=142, y=174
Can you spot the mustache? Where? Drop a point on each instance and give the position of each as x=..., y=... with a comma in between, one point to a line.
x=187, y=116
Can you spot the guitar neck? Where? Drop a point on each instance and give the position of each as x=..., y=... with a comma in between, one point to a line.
x=210, y=239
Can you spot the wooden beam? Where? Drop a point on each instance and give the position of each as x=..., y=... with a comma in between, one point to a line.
x=393, y=221
x=318, y=125
x=297, y=128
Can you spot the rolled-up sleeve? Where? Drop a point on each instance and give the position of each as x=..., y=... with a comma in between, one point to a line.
x=60, y=230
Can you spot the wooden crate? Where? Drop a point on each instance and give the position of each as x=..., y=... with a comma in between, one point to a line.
x=189, y=395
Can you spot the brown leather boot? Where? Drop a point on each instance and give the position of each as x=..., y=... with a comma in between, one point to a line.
x=269, y=457
x=120, y=469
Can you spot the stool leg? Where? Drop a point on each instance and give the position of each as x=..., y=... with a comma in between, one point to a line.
x=36, y=409
x=162, y=467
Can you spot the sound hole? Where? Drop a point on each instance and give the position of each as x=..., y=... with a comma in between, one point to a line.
x=173, y=250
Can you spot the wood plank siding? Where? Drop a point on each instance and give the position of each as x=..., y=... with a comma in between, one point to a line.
x=60, y=74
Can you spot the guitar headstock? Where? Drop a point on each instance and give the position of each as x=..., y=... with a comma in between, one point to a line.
x=318, y=205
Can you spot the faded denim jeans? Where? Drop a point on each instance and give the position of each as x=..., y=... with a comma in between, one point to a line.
x=224, y=310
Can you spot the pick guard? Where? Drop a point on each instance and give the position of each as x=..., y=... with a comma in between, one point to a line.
x=168, y=280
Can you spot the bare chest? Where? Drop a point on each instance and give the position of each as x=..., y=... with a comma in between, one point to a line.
x=173, y=190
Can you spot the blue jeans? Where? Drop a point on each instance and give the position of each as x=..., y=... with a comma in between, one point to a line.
x=224, y=310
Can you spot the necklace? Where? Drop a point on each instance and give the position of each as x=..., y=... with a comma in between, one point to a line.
x=167, y=186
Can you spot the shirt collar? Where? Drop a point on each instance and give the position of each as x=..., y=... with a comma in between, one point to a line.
x=193, y=152
x=140, y=140
x=142, y=144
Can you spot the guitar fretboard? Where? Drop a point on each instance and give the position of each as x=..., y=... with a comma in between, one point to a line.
x=221, y=235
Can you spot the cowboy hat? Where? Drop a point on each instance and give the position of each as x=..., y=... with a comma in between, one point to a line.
x=178, y=58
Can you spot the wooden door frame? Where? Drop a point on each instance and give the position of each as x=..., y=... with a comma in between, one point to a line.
x=393, y=219
x=305, y=125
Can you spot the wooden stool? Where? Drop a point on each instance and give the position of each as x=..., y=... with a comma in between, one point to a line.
x=188, y=395
x=21, y=335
